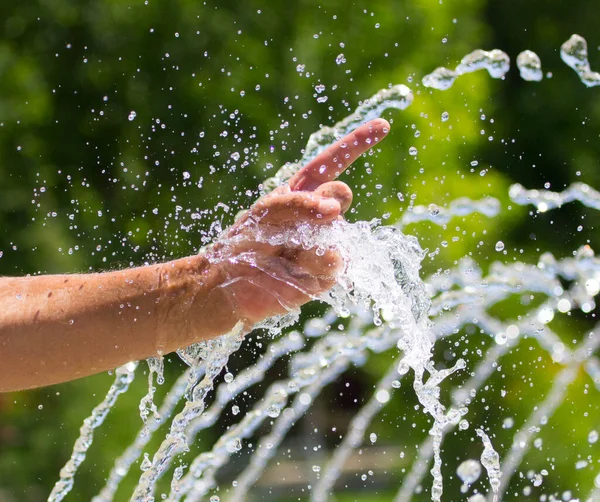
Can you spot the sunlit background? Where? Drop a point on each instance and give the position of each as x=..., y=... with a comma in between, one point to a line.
x=130, y=131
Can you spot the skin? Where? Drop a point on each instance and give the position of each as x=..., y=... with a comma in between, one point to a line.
x=56, y=328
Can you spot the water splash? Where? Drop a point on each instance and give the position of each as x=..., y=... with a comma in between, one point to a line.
x=355, y=434
x=464, y=286
x=441, y=79
x=270, y=443
x=545, y=200
x=397, y=97
x=227, y=392
x=574, y=53
x=123, y=378
x=147, y=406
x=215, y=354
x=132, y=453
x=530, y=66
x=397, y=302
x=547, y=407
x=491, y=461
x=383, y=274
x=306, y=369
x=462, y=206
x=496, y=62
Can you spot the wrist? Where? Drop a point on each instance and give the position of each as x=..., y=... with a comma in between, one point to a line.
x=194, y=304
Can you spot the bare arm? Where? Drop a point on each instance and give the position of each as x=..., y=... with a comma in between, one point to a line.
x=61, y=327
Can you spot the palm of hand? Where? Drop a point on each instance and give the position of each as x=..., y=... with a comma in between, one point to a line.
x=263, y=280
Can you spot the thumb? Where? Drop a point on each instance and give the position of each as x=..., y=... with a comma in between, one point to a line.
x=337, y=190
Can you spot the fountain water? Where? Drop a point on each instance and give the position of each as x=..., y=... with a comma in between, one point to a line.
x=379, y=305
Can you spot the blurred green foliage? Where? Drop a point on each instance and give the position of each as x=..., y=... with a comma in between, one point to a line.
x=225, y=91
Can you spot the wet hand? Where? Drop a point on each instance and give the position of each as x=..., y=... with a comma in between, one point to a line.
x=263, y=280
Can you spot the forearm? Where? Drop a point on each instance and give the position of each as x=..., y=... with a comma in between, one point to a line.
x=57, y=328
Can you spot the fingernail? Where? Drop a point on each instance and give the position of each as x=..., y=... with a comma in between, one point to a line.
x=327, y=206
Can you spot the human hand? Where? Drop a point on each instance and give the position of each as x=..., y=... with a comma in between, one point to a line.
x=263, y=280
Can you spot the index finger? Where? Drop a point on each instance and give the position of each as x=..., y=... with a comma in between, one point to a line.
x=330, y=163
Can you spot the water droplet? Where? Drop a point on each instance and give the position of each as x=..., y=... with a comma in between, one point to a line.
x=412, y=151
x=146, y=463
x=340, y=59
x=403, y=368
x=445, y=116
x=501, y=338
x=499, y=246
x=373, y=437
x=478, y=497
x=530, y=66
x=469, y=471
x=382, y=395
x=273, y=411
x=545, y=315
x=508, y=423
x=575, y=55
x=234, y=445
x=563, y=305
x=305, y=399
x=132, y=115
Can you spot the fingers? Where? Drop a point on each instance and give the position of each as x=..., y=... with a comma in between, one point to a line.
x=336, y=190
x=296, y=207
x=329, y=164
